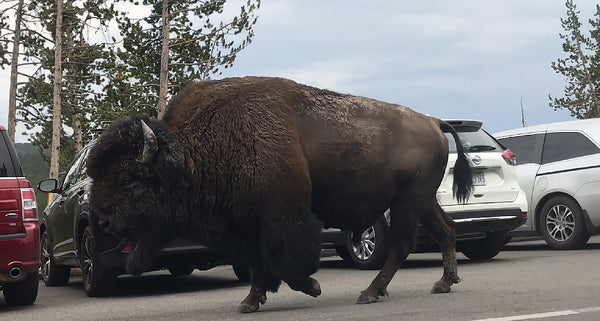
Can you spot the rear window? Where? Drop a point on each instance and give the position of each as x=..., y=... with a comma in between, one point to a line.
x=8, y=158
x=473, y=140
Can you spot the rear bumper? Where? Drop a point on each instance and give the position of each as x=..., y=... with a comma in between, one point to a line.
x=21, y=251
x=487, y=220
x=470, y=225
x=177, y=252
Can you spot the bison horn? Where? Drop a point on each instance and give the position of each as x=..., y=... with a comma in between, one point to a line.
x=150, y=144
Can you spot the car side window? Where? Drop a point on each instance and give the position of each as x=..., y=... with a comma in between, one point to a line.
x=81, y=170
x=527, y=148
x=561, y=146
x=74, y=174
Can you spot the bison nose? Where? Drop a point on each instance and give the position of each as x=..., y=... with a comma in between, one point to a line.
x=105, y=224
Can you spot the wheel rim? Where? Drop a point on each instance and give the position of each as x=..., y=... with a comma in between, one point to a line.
x=560, y=222
x=88, y=264
x=45, y=257
x=366, y=247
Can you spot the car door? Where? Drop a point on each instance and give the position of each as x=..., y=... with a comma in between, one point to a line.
x=62, y=212
x=570, y=165
x=528, y=151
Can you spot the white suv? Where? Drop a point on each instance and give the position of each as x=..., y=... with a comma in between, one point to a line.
x=496, y=205
x=559, y=170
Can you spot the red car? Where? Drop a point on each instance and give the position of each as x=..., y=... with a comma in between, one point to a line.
x=19, y=230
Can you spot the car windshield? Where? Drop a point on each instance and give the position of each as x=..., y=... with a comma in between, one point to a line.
x=473, y=140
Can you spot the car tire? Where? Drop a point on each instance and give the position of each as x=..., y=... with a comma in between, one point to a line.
x=23, y=292
x=181, y=270
x=483, y=249
x=52, y=274
x=372, y=249
x=562, y=224
x=242, y=271
x=97, y=282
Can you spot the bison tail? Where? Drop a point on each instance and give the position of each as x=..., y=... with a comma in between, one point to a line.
x=463, y=174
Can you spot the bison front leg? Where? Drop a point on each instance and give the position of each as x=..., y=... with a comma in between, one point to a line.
x=252, y=302
x=378, y=287
x=257, y=295
x=262, y=281
x=308, y=286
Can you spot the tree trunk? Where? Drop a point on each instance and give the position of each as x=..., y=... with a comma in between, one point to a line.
x=69, y=95
x=164, y=62
x=12, y=95
x=77, y=134
x=56, y=112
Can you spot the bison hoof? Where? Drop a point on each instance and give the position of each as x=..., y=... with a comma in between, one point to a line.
x=314, y=289
x=365, y=298
x=441, y=287
x=247, y=308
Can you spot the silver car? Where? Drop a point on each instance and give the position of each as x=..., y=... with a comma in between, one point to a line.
x=559, y=170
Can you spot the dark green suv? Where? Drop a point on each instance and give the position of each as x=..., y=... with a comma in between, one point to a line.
x=71, y=237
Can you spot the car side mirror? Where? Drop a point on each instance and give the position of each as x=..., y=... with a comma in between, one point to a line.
x=49, y=185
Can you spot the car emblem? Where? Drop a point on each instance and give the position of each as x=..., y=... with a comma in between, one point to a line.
x=476, y=160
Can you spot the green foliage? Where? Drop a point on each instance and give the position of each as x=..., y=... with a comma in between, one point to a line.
x=107, y=76
x=201, y=43
x=35, y=168
x=581, y=67
x=82, y=72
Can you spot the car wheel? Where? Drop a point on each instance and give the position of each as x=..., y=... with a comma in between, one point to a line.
x=483, y=249
x=96, y=281
x=181, y=270
x=562, y=224
x=242, y=271
x=23, y=292
x=52, y=274
x=372, y=249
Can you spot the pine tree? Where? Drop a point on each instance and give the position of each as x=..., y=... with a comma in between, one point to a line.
x=580, y=67
x=77, y=83
x=200, y=42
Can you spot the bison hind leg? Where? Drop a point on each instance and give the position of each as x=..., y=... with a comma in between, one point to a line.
x=442, y=228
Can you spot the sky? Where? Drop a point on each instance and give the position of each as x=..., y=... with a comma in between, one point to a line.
x=454, y=59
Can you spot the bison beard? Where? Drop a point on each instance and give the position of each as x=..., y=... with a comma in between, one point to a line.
x=240, y=164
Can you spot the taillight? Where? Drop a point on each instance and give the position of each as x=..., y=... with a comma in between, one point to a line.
x=509, y=157
x=29, y=204
x=126, y=248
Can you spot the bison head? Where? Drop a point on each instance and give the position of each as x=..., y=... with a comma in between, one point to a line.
x=136, y=166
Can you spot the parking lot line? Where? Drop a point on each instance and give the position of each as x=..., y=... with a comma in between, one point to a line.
x=543, y=315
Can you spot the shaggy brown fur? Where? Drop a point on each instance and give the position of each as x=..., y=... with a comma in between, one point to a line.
x=240, y=165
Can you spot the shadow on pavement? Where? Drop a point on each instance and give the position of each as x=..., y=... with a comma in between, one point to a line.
x=149, y=285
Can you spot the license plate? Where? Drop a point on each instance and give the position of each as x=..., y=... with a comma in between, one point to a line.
x=478, y=179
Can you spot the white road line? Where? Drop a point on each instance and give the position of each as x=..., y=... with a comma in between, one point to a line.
x=543, y=315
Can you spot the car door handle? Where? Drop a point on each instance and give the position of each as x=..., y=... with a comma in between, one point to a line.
x=11, y=215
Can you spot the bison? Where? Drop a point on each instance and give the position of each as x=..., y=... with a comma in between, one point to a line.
x=243, y=164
